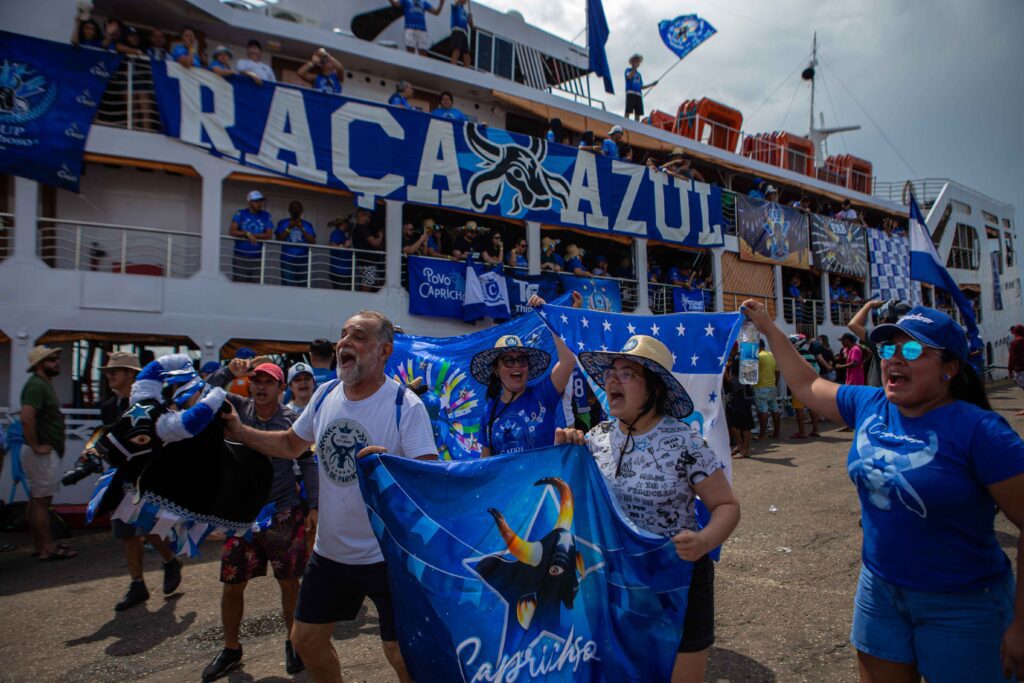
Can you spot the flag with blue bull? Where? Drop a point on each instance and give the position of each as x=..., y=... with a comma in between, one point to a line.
x=684, y=34
x=520, y=567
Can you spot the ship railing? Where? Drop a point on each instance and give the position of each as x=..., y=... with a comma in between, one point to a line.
x=79, y=423
x=662, y=298
x=843, y=312
x=731, y=301
x=130, y=101
x=111, y=248
x=803, y=313
x=729, y=212
x=6, y=235
x=313, y=266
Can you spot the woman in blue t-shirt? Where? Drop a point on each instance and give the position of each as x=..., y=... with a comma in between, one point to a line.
x=932, y=462
x=521, y=416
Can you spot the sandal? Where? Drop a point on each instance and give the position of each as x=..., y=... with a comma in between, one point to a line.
x=798, y=435
x=60, y=546
x=815, y=434
x=61, y=553
x=739, y=456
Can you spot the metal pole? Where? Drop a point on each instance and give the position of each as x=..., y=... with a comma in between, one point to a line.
x=124, y=250
x=657, y=81
x=263, y=261
x=309, y=268
x=78, y=246
x=131, y=79
x=170, y=251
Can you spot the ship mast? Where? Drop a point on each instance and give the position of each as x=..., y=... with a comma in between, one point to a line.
x=819, y=135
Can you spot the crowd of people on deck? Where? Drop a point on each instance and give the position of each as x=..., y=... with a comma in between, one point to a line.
x=903, y=383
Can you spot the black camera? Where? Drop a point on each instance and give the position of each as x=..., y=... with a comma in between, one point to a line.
x=892, y=310
x=90, y=463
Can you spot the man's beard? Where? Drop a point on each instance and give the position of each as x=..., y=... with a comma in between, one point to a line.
x=51, y=372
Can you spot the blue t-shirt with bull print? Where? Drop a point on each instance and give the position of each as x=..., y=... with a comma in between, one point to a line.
x=927, y=514
x=527, y=422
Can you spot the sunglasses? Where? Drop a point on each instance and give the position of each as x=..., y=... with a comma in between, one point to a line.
x=910, y=350
x=621, y=375
x=513, y=361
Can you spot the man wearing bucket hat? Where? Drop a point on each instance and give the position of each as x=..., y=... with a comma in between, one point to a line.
x=931, y=462
x=521, y=413
x=635, y=87
x=43, y=425
x=655, y=466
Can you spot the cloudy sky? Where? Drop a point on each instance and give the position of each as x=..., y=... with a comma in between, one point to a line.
x=943, y=80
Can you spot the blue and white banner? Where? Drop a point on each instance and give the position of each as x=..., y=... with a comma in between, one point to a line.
x=684, y=34
x=454, y=400
x=997, y=288
x=688, y=300
x=699, y=342
x=599, y=294
x=436, y=287
x=381, y=152
x=520, y=568
x=521, y=288
x=48, y=98
x=486, y=293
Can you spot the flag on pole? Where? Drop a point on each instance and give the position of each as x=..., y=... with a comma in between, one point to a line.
x=925, y=266
x=597, y=36
x=683, y=34
x=486, y=293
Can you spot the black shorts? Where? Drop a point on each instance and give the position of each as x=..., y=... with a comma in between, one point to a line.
x=634, y=103
x=699, y=624
x=124, y=531
x=459, y=41
x=332, y=591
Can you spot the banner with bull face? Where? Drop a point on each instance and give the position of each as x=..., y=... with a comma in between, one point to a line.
x=378, y=151
x=839, y=246
x=772, y=233
x=520, y=568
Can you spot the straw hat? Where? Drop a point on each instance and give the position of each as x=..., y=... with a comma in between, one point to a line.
x=677, y=152
x=653, y=355
x=40, y=353
x=122, y=359
x=482, y=364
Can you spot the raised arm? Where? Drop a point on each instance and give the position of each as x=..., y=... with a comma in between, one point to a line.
x=816, y=393
x=858, y=324
x=437, y=10
x=287, y=445
x=562, y=372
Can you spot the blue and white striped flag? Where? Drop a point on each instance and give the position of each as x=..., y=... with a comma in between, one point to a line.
x=699, y=342
x=486, y=293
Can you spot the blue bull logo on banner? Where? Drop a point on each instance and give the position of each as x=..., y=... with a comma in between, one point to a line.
x=381, y=152
x=48, y=98
x=520, y=568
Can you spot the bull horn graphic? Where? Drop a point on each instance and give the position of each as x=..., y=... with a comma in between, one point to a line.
x=527, y=552
x=564, y=521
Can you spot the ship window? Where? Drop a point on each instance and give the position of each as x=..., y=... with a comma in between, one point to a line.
x=965, y=251
x=1009, y=250
x=504, y=57
x=965, y=209
x=1006, y=222
x=990, y=217
x=484, y=50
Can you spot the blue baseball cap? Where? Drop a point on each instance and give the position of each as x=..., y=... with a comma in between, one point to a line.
x=245, y=353
x=928, y=326
x=209, y=366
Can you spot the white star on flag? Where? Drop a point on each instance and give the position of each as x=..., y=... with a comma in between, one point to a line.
x=586, y=323
x=655, y=329
x=630, y=328
x=693, y=359
x=580, y=344
x=709, y=331
x=607, y=326
x=680, y=329
x=673, y=360
x=564, y=319
x=603, y=347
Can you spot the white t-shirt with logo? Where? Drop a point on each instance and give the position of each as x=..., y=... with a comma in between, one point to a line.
x=340, y=428
x=653, y=482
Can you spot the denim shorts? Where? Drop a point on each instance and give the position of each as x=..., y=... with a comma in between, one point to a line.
x=766, y=399
x=949, y=636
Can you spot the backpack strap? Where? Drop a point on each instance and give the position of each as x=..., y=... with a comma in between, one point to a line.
x=399, y=399
x=328, y=388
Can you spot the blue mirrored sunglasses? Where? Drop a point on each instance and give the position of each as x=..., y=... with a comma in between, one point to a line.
x=910, y=350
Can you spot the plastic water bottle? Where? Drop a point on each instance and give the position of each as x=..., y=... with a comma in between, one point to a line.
x=749, y=347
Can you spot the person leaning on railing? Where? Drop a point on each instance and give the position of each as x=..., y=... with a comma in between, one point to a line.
x=253, y=65
x=341, y=261
x=187, y=52
x=366, y=238
x=517, y=255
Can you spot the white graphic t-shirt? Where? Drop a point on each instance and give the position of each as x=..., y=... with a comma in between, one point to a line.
x=340, y=428
x=653, y=482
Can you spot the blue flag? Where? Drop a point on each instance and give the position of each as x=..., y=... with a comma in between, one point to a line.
x=597, y=36
x=699, y=342
x=486, y=293
x=436, y=287
x=925, y=266
x=683, y=34
x=688, y=300
x=599, y=294
x=48, y=98
x=521, y=568
x=521, y=288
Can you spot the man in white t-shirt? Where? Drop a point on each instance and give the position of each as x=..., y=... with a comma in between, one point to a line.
x=363, y=409
x=253, y=64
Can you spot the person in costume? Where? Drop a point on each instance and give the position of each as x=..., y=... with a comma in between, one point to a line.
x=932, y=462
x=521, y=413
x=655, y=466
x=172, y=474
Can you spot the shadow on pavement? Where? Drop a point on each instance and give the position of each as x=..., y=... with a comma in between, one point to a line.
x=363, y=624
x=736, y=668
x=138, y=629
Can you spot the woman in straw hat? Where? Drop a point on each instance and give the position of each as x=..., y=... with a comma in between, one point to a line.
x=932, y=463
x=655, y=465
x=521, y=414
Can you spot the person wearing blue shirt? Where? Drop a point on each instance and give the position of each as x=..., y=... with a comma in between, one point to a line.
x=635, y=88
x=341, y=260
x=323, y=72
x=251, y=225
x=462, y=21
x=549, y=258
x=414, y=11
x=574, y=261
x=295, y=233
x=186, y=52
x=932, y=463
x=517, y=255
x=86, y=32
x=524, y=402
x=555, y=131
x=400, y=98
x=610, y=147
x=447, y=111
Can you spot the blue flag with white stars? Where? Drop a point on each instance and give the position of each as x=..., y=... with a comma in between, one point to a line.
x=699, y=342
x=521, y=568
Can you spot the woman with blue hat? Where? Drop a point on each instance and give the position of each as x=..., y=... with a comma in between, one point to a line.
x=655, y=465
x=521, y=413
x=932, y=463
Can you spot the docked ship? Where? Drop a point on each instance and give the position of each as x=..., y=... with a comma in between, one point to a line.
x=141, y=259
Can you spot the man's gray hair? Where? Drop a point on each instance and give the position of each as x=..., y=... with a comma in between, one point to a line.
x=385, y=328
x=402, y=85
